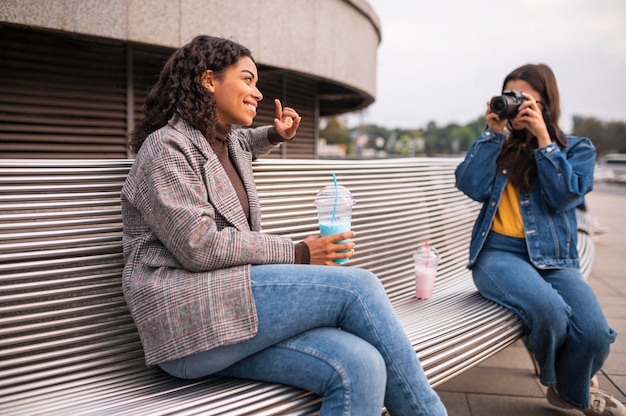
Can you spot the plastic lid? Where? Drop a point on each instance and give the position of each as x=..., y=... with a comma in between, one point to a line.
x=421, y=250
x=329, y=193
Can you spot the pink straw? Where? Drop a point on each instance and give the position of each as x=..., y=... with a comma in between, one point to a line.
x=427, y=252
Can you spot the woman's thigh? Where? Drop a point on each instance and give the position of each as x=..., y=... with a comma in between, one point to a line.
x=586, y=312
x=326, y=361
x=290, y=300
x=510, y=280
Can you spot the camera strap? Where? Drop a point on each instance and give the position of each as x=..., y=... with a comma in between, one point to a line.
x=556, y=136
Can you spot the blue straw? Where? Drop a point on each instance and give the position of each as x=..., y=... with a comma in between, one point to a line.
x=336, y=197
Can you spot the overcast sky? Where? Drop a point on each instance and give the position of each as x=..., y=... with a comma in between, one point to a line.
x=442, y=60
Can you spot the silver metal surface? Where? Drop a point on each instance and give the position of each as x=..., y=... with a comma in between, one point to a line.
x=68, y=344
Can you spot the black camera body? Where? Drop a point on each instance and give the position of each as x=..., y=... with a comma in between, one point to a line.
x=507, y=104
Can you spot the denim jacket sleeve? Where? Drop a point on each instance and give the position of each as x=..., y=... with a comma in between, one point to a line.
x=566, y=175
x=475, y=175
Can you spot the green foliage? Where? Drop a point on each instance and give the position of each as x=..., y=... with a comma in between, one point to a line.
x=607, y=137
x=335, y=131
x=455, y=139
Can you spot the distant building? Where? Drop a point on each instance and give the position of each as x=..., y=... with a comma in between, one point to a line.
x=74, y=73
x=330, y=151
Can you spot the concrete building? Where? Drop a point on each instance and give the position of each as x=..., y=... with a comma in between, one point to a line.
x=74, y=73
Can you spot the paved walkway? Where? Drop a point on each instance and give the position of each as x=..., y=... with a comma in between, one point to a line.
x=505, y=385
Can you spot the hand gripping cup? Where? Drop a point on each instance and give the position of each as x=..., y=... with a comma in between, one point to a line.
x=426, y=261
x=334, y=211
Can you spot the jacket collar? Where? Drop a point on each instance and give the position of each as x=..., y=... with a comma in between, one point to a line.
x=219, y=187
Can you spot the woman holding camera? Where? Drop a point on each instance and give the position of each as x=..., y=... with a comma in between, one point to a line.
x=523, y=248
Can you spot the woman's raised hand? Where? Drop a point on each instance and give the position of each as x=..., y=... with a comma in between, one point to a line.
x=494, y=122
x=530, y=117
x=286, y=121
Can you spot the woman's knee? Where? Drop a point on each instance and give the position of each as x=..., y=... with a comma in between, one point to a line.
x=363, y=374
x=364, y=280
x=362, y=362
x=358, y=367
x=595, y=339
x=550, y=316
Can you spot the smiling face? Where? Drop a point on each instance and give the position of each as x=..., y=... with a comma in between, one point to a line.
x=235, y=92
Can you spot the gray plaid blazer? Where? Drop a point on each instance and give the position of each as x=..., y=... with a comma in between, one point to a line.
x=188, y=247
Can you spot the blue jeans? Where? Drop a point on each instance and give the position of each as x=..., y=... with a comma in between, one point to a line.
x=566, y=328
x=329, y=330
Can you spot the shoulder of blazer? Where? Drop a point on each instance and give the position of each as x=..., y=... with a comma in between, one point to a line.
x=190, y=134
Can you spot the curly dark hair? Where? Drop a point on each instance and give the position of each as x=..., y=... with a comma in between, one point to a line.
x=517, y=155
x=180, y=89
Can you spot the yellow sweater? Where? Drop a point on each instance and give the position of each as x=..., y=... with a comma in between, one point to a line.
x=508, y=219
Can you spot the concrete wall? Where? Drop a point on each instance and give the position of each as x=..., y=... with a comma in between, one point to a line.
x=335, y=40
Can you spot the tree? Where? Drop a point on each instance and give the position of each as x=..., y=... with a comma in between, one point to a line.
x=607, y=137
x=335, y=131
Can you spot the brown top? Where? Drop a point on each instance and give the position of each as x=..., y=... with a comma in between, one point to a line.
x=219, y=145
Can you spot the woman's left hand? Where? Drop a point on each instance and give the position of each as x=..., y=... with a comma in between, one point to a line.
x=530, y=117
x=286, y=121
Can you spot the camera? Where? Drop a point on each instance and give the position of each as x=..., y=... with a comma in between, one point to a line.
x=507, y=104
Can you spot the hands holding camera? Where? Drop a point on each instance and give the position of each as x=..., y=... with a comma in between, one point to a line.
x=523, y=110
x=494, y=122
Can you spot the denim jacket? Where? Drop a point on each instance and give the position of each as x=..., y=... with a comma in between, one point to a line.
x=548, y=210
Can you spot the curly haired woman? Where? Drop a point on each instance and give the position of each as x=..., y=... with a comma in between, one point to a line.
x=210, y=293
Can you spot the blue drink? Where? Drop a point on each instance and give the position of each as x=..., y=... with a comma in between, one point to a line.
x=334, y=211
x=336, y=227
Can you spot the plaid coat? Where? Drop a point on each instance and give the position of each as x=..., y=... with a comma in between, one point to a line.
x=188, y=247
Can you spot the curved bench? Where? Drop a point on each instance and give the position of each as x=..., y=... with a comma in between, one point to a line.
x=69, y=346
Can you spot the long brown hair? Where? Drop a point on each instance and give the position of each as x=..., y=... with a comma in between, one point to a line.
x=180, y=88
x=517, y=155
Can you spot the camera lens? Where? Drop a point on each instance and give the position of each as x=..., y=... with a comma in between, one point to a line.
x=498, y=105
x=506, y=105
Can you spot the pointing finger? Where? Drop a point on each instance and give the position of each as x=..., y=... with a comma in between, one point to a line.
x=279, y=109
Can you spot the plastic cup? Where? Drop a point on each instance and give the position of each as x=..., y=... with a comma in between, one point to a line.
x=426, y=261
x=334, y=212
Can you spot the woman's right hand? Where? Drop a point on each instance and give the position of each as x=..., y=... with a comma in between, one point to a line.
x=324, y=250
x=494, y=122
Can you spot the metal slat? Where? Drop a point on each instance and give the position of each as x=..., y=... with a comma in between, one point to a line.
x=40, y=322
x=24, y=219
x=57, y=303
x=65, y=252
x=113, y=259
x=67, y=339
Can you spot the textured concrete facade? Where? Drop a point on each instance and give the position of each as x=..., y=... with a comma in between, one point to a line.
x=332, y=40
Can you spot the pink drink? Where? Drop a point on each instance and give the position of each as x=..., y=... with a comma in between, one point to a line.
x=424, y=283
x=426, y=261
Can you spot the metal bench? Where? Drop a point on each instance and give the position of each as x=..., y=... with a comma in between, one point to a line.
x=69, y=346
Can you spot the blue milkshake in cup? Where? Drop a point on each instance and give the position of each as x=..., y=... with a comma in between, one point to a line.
x=334, y=211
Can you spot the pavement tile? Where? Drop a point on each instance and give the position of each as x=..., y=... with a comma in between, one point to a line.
x=456, y=403
x=613, y=307
x=615, y=364
x=483, y=405
x=496, y=381
x=601, y=288
x=613, y=385
x=515, y=356
x=620, y=383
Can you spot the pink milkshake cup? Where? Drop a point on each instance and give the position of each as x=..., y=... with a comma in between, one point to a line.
x=426, y=261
